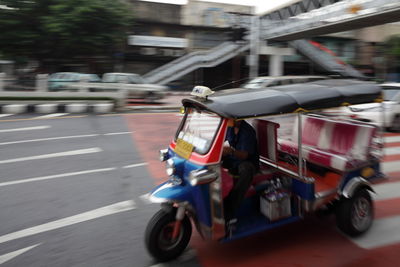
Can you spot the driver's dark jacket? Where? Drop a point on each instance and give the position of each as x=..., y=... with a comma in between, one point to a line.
x=245, y=140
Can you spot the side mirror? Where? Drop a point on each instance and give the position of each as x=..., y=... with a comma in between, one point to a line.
x=163, y=156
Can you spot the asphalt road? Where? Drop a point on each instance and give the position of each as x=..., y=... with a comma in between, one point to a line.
x=70, y=192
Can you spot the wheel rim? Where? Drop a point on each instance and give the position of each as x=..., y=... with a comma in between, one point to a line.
x=361, y=214
x=165, y=239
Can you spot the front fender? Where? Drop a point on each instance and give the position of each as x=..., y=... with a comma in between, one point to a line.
x=168, y=192
x=354, y=184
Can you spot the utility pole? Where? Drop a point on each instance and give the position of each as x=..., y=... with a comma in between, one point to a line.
x=254, y=46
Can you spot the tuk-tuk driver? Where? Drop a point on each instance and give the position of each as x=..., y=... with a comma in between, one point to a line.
x=240, y=158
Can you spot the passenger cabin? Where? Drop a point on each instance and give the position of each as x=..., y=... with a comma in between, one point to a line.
x=316, y=151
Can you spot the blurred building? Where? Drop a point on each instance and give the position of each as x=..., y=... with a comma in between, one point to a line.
x=163, y=32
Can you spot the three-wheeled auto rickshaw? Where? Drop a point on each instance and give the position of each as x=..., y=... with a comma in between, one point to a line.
x=308, y=162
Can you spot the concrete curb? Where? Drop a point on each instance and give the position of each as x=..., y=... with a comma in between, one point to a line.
x=56, y=108
x=149, y=108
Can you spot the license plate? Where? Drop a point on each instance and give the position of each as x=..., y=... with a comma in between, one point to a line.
x=183, y=148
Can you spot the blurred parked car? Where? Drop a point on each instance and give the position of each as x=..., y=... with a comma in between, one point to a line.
x=61, y=80
x=115, y=77
x=373, y=112
x=267, y=81
x=134, y=84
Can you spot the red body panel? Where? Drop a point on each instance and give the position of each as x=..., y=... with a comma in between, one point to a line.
x=213, y=156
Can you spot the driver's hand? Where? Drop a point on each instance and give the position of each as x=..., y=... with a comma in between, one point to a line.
x=227, y=150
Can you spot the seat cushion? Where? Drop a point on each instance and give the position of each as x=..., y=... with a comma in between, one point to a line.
x=325, y=158
x=337, y=145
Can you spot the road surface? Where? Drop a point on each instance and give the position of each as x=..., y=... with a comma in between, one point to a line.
x=71, y=194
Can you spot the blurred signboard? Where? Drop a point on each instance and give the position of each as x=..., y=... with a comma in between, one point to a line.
x=213, y=14
x=157, y=41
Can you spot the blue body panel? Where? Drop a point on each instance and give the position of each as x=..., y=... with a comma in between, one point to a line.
x=259, y=226
x=251, y=221
x=197, y=196
x=302, y=189
x=172, y=192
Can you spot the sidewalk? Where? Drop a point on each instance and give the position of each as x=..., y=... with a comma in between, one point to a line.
x=172, y=101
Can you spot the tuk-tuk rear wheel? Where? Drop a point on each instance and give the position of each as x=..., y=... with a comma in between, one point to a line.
x=159, y=235
x=354, y=216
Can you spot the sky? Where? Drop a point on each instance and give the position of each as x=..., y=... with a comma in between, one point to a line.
x=261, y=5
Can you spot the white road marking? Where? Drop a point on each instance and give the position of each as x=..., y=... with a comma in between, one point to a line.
x=9, y=256
x=55, y=176
x=5, y=115
x=134, y=165
x=82, y=217
x=118, y=133
x=54, y=155
x=48, y=139
x=390, y=166
x=25, y=129
x=391, y=151
x=146, y=198
x=53, y=115
x=387, y=191
x=383, y=232
x=59, y=138
x=392, y=139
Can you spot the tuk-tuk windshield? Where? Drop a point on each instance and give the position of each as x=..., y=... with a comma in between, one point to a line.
x=199, y=129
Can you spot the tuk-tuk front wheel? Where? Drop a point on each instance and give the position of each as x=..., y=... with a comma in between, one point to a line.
x=161, y=241
x=354, y=216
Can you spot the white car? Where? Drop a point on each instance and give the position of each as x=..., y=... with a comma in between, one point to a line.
x=388, y=117
x=267, y=81
x=134, y=84
x=131, y=83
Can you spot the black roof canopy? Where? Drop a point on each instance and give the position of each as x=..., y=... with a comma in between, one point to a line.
x=241, y=103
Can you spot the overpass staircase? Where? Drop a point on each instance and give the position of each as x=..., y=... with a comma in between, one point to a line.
x=227, y=50
x=324, y=60
x=195, y=60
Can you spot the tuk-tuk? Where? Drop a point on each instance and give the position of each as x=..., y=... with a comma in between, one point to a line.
x=308, y=163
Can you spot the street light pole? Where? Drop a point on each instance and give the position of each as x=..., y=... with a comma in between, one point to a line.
x=254, y=46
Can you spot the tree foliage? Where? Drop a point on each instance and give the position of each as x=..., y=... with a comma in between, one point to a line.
x=62, y=29
x=393, y=46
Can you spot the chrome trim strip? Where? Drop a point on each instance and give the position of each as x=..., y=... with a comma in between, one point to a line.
x=308, y=180
x=216, y=202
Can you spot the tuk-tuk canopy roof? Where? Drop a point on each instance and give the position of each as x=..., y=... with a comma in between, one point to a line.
x=242, y=103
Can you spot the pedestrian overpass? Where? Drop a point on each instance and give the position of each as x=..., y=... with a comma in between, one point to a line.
x=294, y=21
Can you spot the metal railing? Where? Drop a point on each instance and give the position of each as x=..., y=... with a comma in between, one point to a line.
x=325, y=60
x=343, y=11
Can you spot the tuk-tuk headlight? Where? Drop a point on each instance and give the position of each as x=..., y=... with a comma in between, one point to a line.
x=203, y=176
x=170, y=167
x=163, y=155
